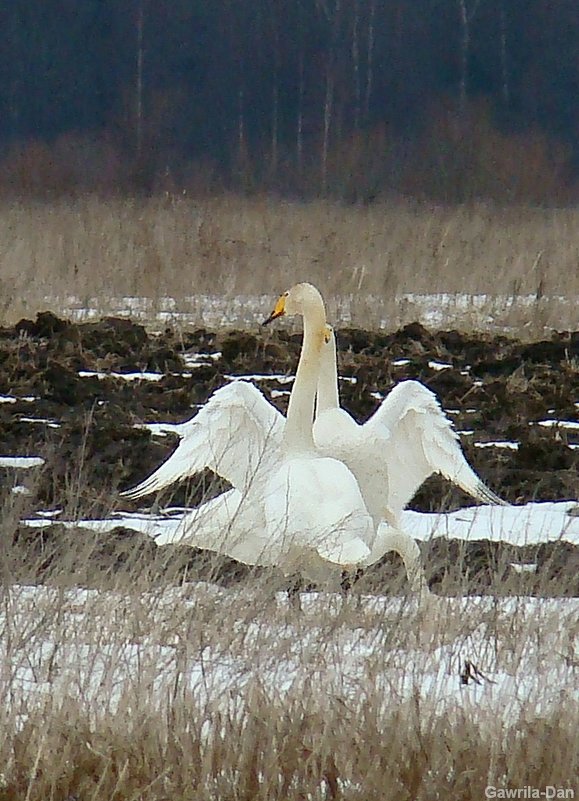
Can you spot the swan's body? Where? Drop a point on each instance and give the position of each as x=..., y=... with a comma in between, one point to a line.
x=313, y=502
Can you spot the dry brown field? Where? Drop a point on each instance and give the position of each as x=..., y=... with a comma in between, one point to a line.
x=92, y=252
x=159, y=740
x=68, y=733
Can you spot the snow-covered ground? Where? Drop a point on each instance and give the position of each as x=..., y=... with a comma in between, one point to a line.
x=21, y=462
x=97, y=648
x=483, y=311
x=519, y=525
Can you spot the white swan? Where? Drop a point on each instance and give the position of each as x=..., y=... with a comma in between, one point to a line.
x=407, y=439
x=291, y=506
x=314, y=499
x=404, y=442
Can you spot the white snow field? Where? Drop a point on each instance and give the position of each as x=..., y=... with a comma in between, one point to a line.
x=100, y=647
x=529, y=524
x=482, y=311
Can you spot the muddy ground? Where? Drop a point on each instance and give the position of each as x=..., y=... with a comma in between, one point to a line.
x=84, y=427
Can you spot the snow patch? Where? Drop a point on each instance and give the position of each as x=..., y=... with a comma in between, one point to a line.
x=21, y=462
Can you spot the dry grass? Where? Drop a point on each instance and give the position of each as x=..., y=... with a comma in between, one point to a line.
x=76, y=734
x=164, y=756
x=172, y=693
x=195, y=692
x=366, y=258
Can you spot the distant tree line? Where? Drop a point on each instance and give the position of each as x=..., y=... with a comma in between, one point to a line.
x=450, y=99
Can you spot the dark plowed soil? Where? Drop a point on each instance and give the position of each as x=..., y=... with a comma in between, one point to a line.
x=84, y=428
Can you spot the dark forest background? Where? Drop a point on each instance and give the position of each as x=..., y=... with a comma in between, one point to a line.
x=450, y=100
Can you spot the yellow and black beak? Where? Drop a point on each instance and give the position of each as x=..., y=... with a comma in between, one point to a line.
x=278, y=311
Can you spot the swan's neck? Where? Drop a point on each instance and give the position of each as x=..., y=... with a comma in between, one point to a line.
x=300, y=415
x=328, y=397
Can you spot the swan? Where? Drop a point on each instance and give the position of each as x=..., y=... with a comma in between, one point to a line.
x=290, y=506
x=383, y=535
x=313, y=499
x=408, y=439
x=405, y=441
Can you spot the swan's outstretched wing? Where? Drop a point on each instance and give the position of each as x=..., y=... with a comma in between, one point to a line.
x=422, y=442
x=236, y=433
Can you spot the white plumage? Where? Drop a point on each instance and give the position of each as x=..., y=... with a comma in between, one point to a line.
x=406, y=440
x=236, y=434
x=291, y=506
x=300, y=505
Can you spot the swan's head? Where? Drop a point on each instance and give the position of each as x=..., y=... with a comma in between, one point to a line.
x=295, y=301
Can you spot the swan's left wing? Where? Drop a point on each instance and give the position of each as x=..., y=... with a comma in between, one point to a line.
x=422, y=442
x=236, y=434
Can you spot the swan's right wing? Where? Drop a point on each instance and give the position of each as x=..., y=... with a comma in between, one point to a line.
x=422, y=442
x=235, y=434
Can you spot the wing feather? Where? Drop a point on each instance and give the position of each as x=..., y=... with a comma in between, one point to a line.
x=422, y=442
x=236, y=433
